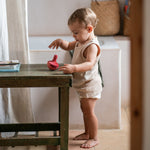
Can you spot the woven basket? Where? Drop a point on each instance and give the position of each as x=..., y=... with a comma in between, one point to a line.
x=108, y=15
x=127, y=25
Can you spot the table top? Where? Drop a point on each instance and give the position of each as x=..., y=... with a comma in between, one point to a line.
x=35, y=75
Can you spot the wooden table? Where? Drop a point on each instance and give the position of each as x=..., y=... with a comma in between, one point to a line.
x=38, y=75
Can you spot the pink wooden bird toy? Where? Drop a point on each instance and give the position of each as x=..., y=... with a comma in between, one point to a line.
x=52, y=64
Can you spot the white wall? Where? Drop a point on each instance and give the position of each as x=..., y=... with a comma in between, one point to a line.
x=49, y=17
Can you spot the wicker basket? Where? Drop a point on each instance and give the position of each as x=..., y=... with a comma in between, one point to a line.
x=127, y=25
x=109, y=16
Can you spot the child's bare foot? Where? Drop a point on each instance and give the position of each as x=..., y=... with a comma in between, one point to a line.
x=90, y=143
x=82, y=136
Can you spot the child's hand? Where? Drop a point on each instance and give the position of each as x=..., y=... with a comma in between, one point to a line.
x=67, y=68
x=55, y=44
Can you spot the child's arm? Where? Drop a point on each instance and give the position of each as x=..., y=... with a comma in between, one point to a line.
x=63, y=44
x=91, y=53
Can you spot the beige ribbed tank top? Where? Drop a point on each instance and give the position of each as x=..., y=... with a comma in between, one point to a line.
x=88, y=83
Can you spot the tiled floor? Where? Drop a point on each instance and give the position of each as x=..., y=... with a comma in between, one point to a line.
x=109, y=139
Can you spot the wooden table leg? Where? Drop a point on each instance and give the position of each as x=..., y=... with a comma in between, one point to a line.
x=64, y=116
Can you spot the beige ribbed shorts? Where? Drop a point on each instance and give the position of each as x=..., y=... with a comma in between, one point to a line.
x=91, y=89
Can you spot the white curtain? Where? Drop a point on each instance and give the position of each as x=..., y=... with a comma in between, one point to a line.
x=15, y=103
x=4, y=55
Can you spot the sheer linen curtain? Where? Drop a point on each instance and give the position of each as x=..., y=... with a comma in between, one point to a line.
x=15, y=103
x=4, y=55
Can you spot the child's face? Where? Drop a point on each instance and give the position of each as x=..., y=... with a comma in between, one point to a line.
x=80, y=32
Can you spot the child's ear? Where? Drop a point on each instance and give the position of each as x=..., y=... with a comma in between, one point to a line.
x=90, y=28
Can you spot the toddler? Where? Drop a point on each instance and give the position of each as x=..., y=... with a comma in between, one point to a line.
x=86, y=79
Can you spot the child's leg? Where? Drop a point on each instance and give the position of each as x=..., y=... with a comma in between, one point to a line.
x=85, y=135
x=91, y=122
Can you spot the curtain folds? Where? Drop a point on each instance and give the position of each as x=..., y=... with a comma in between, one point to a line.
x=18, y=49
x=4, y=55
x=15, y=103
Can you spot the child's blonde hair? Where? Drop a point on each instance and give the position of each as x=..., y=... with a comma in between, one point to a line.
x=83, y=15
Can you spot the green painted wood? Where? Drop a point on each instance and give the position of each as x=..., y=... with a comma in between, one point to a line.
x=30, y=141
x=64, y=117
x=29, y=127
x=35, y=75
x=59, y=103
x=38, y=75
